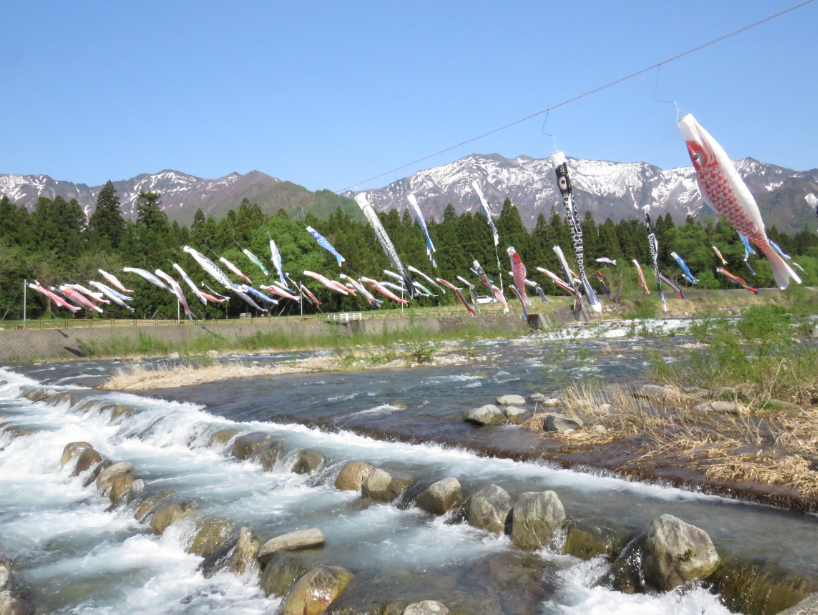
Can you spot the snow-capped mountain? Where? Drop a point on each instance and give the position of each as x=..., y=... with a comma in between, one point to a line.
x=607, y=189
x=182, y=194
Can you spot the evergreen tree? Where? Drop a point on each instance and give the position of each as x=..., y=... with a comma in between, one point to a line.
x=106, y=224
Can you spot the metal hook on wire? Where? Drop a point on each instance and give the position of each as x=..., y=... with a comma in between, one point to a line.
x=542, y=130
x=659, y=100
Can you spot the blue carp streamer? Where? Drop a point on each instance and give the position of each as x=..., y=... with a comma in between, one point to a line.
x=322, y=241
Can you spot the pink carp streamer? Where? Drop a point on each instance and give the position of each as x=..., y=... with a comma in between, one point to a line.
x=331, y=284
x=518, y=271
x=498, y=294
x=55, y=298
x=736, y=280
x=234, y=269
x=674, y=286
x=383, y=290
x=641, y=276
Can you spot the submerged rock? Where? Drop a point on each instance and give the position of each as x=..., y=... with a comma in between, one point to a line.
x=676, y=552
x=148, y=504
x=561, y=422
x=120, y=484
x=511, y=400
x=587, y=541
x=383, y=486
x=316, y=590
x=808, y=606
x=293, y=541
x=426, y=607
x=223, y=436
x=486, y=415
x=250, y=445
x=441, y=497
x=487, y=509
x=281, y=571
x=167, y=515
x=122, y=411
x=307, y=462
x=73, y=449
x=112, y=475
x=210, y=535
x=136, y=490
x=243, y=558
x=751, y=587
x=96, y=471
x=515, y=414
x=352, y=475
x=535, y=519
x=271, y=454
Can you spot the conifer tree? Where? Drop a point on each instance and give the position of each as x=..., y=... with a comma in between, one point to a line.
x=106, y=224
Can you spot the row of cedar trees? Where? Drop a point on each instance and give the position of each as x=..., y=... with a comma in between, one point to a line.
x=55, y=243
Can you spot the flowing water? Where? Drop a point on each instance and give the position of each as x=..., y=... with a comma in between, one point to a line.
x=74, y=555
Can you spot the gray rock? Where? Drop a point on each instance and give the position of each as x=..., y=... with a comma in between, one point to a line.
x=426, y=607
x=676, y=552
x=212, y=354
x=307, y=462
x=535, y=518
x=511, y=400
x=656, y=392
x=441, y=497
x=5, y=574
x=173, y=355
x=281, y=571
x=12, y=605
x=537, y=398
x=210, y=534
x=515, y=414
x=147, y=505
x=352, y=475
x=136, y=491
x=106, y=476
x=718, y=407
x=223, y=436
x=383, y=486
x=561, y=422
x=551, y=402
x=316, y=590
x=250, y=445
x=294, y=541
x=243, y=558
x=95, y=472
x=486, y=415
x=600, y=428
x=488, y=509
x=73, y=449
x=808, y=606
x=395, y=363
x=270, y=455
x=87, y=458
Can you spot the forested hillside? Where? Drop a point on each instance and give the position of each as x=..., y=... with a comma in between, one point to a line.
x=53, y=244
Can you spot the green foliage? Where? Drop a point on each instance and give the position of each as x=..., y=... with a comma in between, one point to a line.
x=644, y=307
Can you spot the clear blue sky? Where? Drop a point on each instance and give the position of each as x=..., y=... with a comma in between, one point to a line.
x=327, y=94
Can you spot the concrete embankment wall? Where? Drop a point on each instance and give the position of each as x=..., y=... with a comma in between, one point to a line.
x=56, y=344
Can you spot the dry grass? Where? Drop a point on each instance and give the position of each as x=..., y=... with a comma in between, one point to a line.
x=756, y=444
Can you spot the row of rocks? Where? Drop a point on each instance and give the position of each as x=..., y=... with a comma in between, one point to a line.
x=512, y=412
x=113, y=480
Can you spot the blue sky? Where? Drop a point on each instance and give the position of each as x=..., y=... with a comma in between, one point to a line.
x=327, y=94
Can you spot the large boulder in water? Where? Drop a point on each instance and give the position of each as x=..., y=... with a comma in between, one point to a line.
x=316, y=590
x=243, y=558
x=87, y=458
x=385, y=487
x=120, y=484
x=535, y=518
x=12, y=605
x=250, y=445
x=73, y=449
x=511, y=400
x=223, y=436
x=676, y=552
x=352, y=475
x=487, y=509
x=426, y=607
x=92, y=476
x=210, y=534
x=111, y=474
x=148, y=504
x=167, y=515
x=293, y=541
x=271, y=453
x=485, y=415
x=307, y=462
x=441, y=497
x=281, y=571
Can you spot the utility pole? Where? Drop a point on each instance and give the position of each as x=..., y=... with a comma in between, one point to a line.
x=25, y=286
x=177, y=311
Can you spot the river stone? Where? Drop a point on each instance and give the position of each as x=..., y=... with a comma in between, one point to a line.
x=486, y=415
x=281, y=571
x=167, y=515
x=426, y=607
x=515, y=414
x=243, y=558
x=148, y=504
x=587, y=541
x=223, y=436
x=676, y=552
x=488, y=509
x=718, y=407
x=307, y=462
x=316, y=590
x=294, y=541
x=441, y=497
x=5, y=574
x=777, y=404
x=511, y=400
x=136, y=490
x=73, y=449
x=551, y=402
x=120, y=484
x=251, y=444
x=352, y=475
x=537, y=398
x=763, y=587
x=212, y=354
x=123, y=411
x=561, y=422
x=210, y=535
x=173, y=355
x=106, y=477
x=11, y=605
x=92, y=477
x=656, y=392
x=808, y=606
x=535, y=518
x=270, y=455
x=383, y=486
x=86, y=459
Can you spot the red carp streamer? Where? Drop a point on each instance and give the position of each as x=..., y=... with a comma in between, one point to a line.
x=736, y=280
x=459, y=294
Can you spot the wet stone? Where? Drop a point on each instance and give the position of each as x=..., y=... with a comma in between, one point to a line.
x=282, y=570
x=511, y=400
x=223, y=436
x=535, y=519
x=167, y=515
x=676, y=552
x=426, y=607
x=515, y=414
x=293, y=541
x=87, y=458
x=307, y=462
x=120, y=484
x=441, y=497
x=486, y=415
x=270, y=455
x=561, y=422
x=316, y=590
x=243, y=558
x=73, y=449
x=352, y=475
x=96, y=471
x=383, y=486
x=250, y=445
x=487, y=509
x=210, y=534
x=148, y=504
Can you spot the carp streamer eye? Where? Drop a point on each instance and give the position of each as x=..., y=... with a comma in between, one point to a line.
x=563, y=183
x=696, y=158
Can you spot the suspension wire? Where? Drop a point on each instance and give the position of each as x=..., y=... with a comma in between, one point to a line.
x=586, y=94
